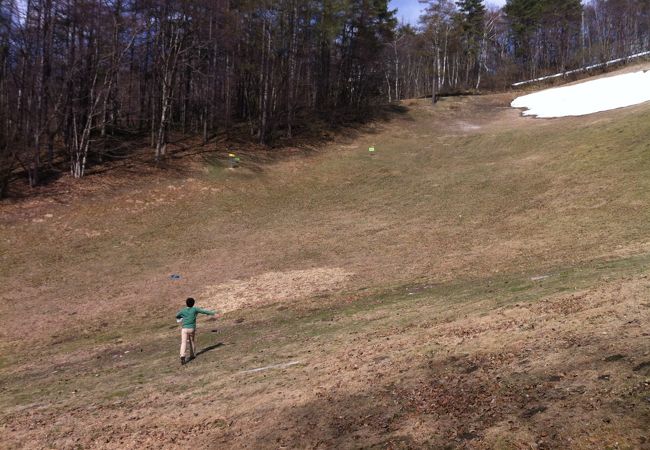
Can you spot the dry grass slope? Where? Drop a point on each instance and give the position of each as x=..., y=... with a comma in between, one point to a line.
x=480, y=282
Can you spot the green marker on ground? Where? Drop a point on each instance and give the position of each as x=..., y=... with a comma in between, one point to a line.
x=371, y=149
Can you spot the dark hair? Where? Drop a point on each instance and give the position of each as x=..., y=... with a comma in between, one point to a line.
x=189, y=302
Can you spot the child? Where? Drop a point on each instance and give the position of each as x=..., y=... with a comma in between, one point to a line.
x=188, y=329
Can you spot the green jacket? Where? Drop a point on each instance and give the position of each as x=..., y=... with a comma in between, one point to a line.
x=189, y=315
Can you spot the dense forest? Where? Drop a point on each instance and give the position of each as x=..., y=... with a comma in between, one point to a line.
x=463, y=45
x=78, y=78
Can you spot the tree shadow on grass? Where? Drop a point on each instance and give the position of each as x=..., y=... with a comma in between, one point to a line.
x=462, y=400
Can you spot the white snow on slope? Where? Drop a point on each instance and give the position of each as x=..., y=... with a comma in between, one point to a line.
x=589, y=97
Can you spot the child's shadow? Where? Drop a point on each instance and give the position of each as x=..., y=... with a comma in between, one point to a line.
x=207, y=349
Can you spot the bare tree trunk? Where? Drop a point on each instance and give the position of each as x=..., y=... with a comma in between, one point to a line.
x=396, y=60
x=292, y=69
x=171, y=51
x=434, y=80
x=265, y=75
x=388, y=87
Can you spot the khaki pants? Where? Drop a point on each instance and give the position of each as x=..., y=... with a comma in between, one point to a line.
x=188, y=334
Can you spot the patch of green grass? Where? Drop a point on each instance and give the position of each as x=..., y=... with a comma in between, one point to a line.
x=115, y=395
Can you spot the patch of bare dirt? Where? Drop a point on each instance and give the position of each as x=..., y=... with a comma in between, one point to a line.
x=273, y=287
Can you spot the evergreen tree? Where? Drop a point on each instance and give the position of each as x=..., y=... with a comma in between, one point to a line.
x=473, y=16
x=472, y=27
x=524, y=17
x=543, y=31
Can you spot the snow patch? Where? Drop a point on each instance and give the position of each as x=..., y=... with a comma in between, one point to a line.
x=589, y=97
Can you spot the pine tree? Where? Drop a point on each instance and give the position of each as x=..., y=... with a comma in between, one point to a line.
x=543, y=30
x=472, y=26
x=524, y=17
x=473, y=15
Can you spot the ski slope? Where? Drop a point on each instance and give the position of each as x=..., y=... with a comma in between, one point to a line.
x=589, y=97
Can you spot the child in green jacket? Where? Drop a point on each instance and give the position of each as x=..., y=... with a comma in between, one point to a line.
x=188, y=328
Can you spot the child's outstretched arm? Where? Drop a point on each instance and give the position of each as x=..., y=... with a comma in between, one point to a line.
x=206, y=311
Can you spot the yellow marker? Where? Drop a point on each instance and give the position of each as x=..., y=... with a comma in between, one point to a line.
x=371, y=149
x=232, y=155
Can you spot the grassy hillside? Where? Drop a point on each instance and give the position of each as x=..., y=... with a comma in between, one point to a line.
x=480, y=281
